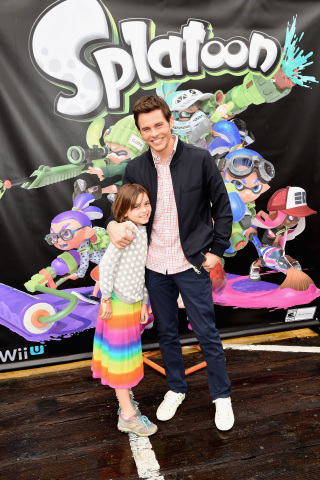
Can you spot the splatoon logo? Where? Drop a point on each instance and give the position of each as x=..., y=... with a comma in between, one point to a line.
x=76, y=45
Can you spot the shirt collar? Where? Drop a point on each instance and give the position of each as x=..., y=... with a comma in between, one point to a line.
x=157, y=160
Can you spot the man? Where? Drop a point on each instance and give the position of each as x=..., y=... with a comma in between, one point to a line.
x=186, y=192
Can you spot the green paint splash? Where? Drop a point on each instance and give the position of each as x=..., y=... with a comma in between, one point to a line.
x=294, y=60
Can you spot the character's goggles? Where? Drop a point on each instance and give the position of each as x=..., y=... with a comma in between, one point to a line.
x=65, y=234
x=185, y=115
x=243, y=165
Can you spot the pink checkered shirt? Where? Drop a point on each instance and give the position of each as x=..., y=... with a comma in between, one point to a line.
x=165, y=253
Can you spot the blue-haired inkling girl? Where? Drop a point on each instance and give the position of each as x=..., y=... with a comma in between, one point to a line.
x=73, y=230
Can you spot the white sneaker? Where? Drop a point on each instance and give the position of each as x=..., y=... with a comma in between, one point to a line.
x=224, y=417
x=254, y=273
x=168, y=407
x=296, y=265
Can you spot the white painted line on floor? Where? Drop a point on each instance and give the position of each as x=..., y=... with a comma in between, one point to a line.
x=145, y=458
x=272, y=348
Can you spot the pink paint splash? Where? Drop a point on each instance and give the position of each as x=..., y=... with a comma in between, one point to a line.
x=240, y=292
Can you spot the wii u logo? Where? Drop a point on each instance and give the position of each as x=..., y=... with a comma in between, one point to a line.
x=21, y=353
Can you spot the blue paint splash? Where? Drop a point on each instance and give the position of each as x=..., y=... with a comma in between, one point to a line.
x=294, y=60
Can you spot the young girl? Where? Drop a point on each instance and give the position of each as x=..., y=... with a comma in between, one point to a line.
x=117, y=352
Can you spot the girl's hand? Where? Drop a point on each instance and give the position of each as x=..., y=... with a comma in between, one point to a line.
x=106, y=312
x=144, y=315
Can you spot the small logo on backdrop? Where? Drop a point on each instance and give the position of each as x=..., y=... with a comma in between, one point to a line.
x=19, y=354
x=297, y=314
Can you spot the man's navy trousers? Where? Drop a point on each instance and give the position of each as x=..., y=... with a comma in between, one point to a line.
x=196, y=294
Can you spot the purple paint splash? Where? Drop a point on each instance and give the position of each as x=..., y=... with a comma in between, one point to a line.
x=16, y=309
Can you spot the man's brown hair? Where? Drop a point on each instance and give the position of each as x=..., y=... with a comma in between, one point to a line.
x=126, y=199
x=149, y=103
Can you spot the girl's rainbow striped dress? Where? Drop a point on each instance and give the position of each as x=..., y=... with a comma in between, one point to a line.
x=117, y=352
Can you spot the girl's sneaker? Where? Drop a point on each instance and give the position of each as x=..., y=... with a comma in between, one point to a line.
x=138, y=424
x=134, y=403
x=135, y=406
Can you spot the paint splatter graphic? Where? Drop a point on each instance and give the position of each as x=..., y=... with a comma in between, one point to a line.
x=294, y=59
x=241, y=293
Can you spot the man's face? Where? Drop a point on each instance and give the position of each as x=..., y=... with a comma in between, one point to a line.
x=249, y=188
x=156, y=131
x=118, y=152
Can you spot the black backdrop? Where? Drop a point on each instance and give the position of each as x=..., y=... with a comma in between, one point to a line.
x=286, y=132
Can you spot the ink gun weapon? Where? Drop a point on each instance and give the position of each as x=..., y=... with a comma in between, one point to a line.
x=80, y=159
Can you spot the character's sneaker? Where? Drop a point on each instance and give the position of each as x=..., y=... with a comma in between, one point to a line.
x=296, y=265
x=168, y=407
x=85, y=297
x=140, y=425
x=111, y=197
x=254, y=273
x=96, y=191
x=79, y=186
x=224, y=418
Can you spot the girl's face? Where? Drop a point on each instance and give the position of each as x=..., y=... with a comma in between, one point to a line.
x=141, y=212
x=78, y=237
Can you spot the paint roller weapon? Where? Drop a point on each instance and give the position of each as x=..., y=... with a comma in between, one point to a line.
x=80, y=159
x=65, y=264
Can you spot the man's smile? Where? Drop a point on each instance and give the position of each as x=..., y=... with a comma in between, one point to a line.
x=156, y=141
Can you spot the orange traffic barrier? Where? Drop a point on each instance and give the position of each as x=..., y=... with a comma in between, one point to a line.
x=160, y=369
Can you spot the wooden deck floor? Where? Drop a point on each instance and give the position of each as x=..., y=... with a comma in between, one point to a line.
x=61, y=425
